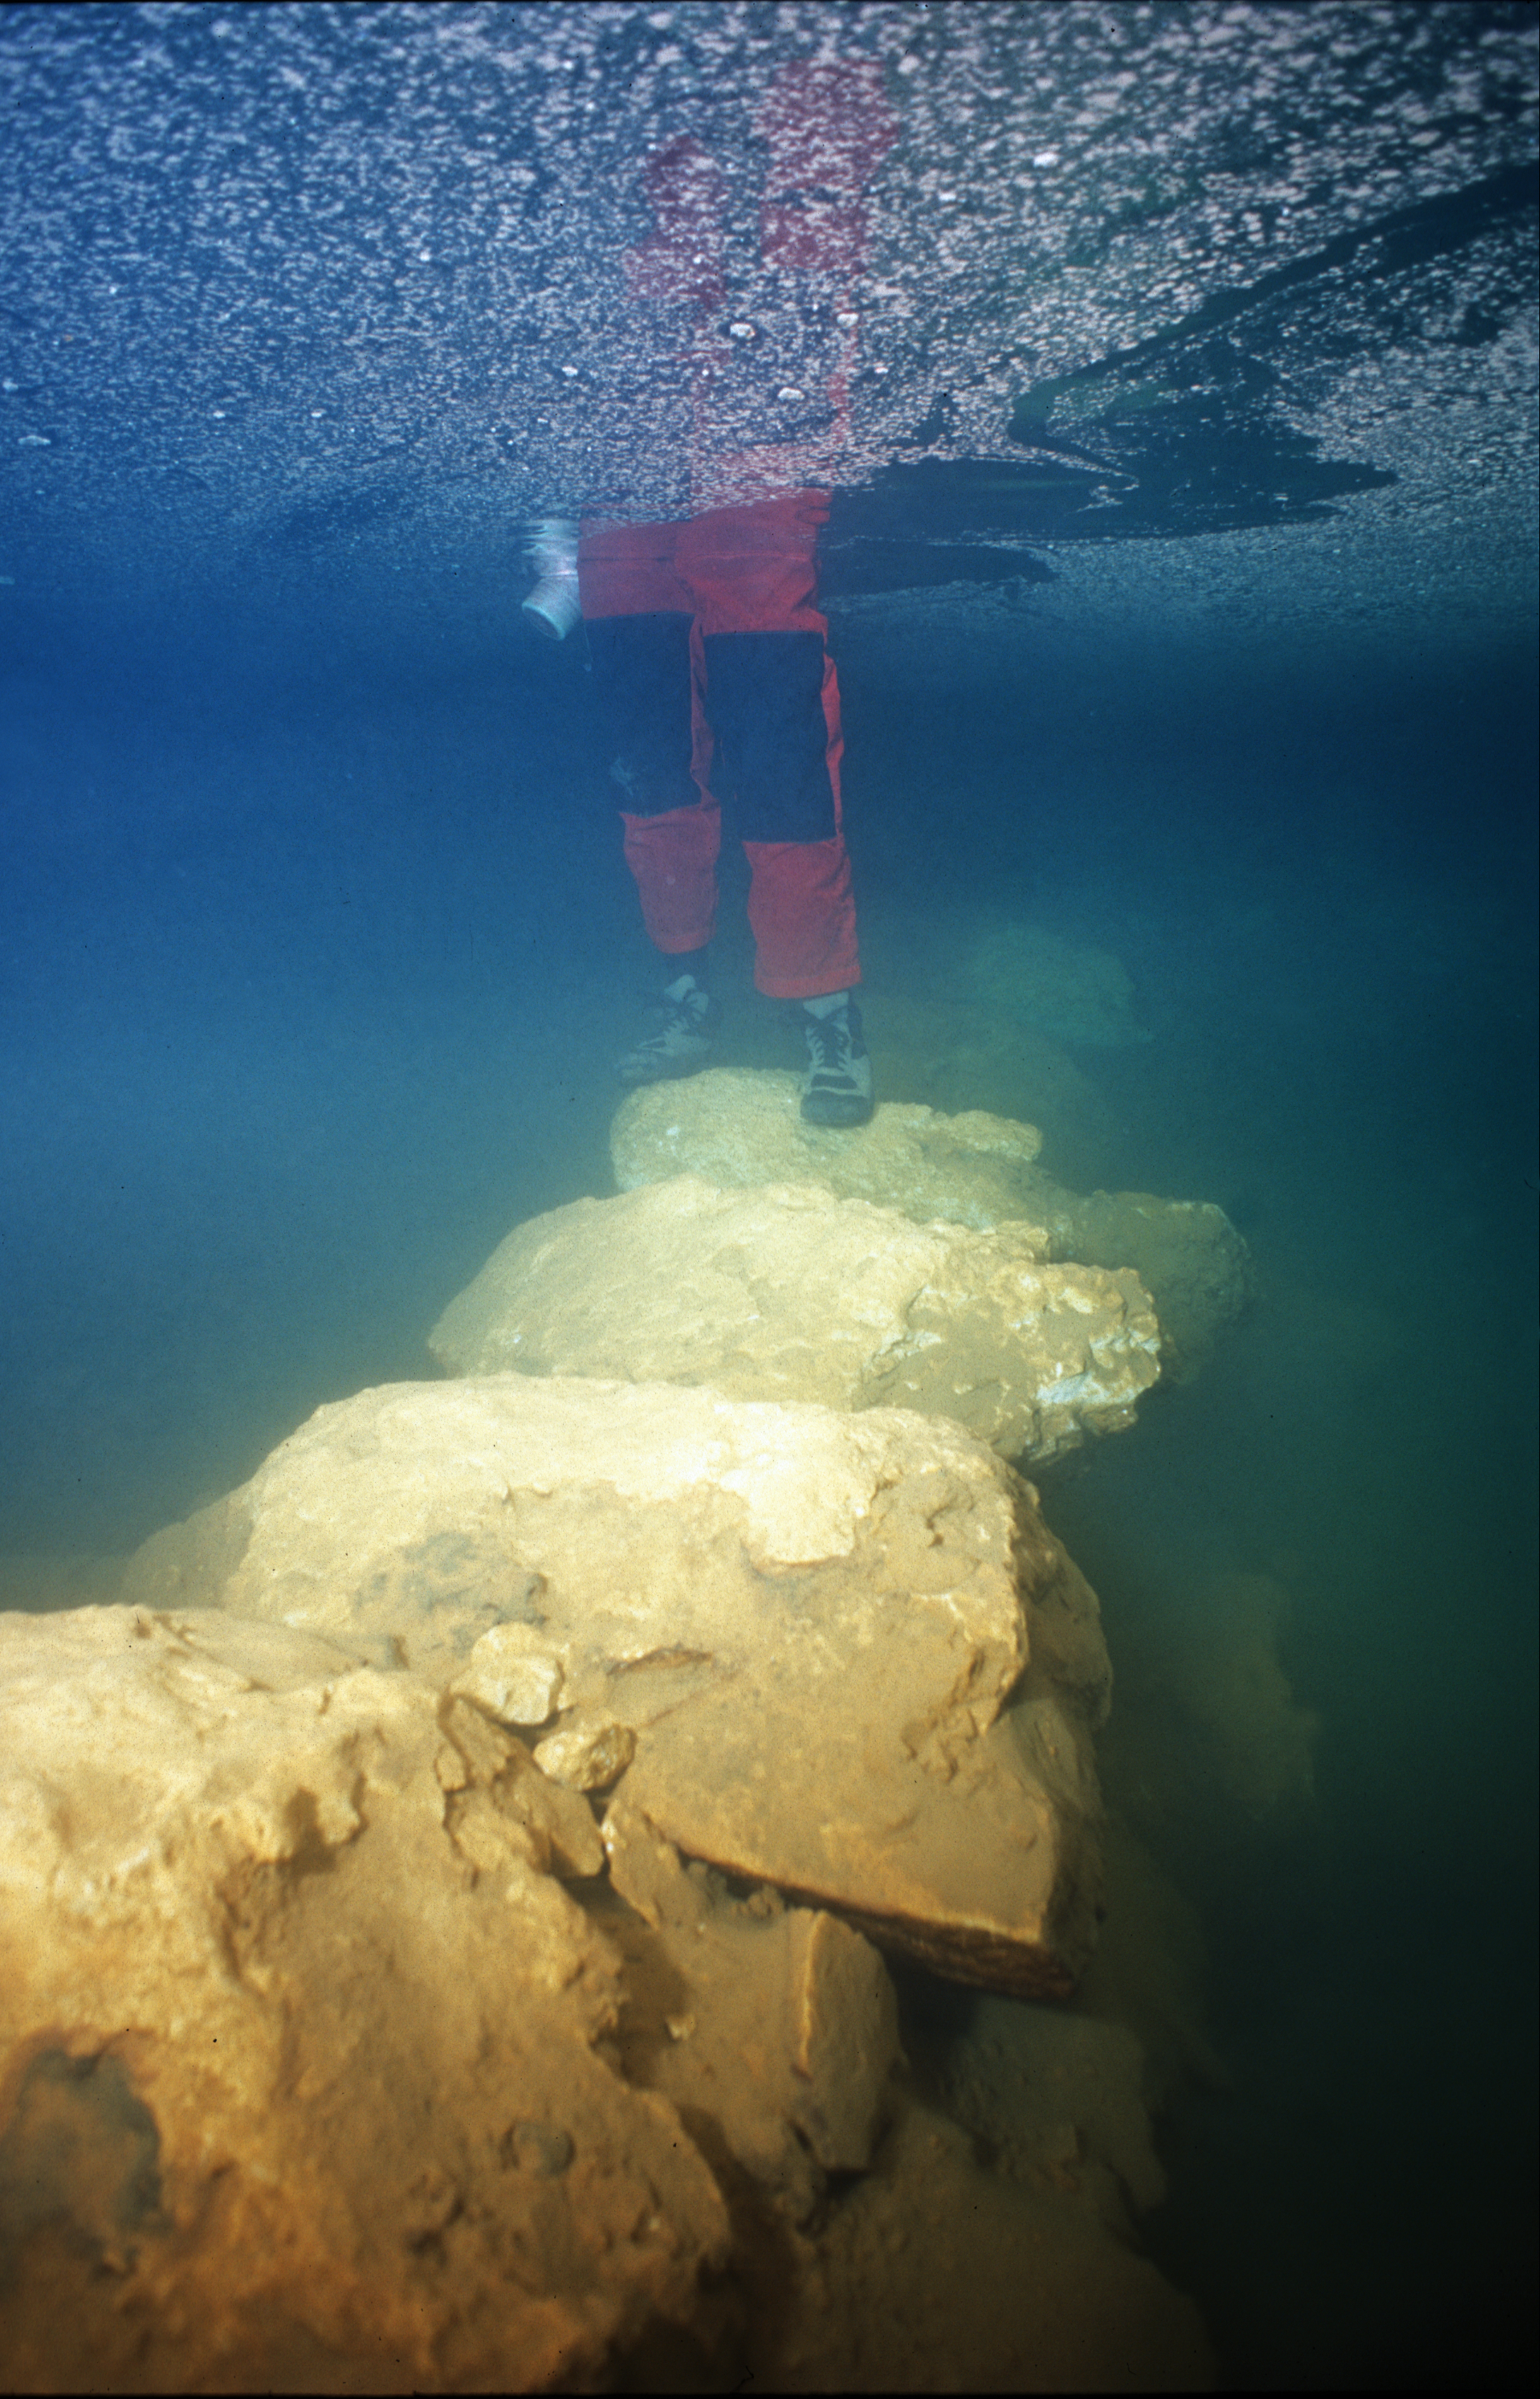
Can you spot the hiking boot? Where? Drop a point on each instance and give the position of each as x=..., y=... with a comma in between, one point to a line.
x=685, y=1038
x=837, y=1087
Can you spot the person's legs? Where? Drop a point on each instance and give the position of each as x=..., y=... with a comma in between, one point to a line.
x=773, y=697
x=645, y=647
x=773, y=700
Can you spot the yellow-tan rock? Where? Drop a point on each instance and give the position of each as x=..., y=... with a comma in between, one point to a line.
x=588, y=1757
x=738, y=1126
x=812, y=1621
x=777, y=2023
x=303, y=2068
x=935, y=2273
x=788, y=1292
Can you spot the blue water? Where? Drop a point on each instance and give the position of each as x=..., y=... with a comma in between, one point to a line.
x=313, y=978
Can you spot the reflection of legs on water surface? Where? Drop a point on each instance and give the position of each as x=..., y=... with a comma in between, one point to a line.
x=712, y=670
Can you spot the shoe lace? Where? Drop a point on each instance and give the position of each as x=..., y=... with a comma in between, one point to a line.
x=828, y=1043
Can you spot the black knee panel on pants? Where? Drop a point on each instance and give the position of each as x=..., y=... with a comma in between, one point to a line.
x=765, y=696
x=642, y=671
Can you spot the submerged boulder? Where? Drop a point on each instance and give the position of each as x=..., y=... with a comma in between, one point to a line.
x=1073, y=992
x=788, y=1292
x=738, y=1126
x=779, y=2025
x=852, y=1661
x=323, y=2067
x=303, y=2079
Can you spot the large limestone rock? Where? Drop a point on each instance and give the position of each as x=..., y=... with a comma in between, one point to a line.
x=735, y=1126
x=788, y=1636
x=311, y=2077
x=739, y=1125
x=773, y=2029
x=304, y=2068
x=790, y=1293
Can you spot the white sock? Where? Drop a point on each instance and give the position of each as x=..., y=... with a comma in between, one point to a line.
x=830, y=1005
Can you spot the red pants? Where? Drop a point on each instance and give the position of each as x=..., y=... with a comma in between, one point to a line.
x=713, y=675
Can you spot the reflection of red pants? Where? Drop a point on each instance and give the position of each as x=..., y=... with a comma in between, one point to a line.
x=709, y=657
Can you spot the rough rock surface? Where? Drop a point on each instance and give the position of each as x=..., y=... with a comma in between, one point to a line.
x=1059, y=2097
x=779, y=2024
x=790, y=1293
x=773, y=2031
x=740, y=1125
x=939, y=2274
x=303, y=2079
x=737, y=1126
x=311, y=2078
x=810, y=1621
x=1189, y=1256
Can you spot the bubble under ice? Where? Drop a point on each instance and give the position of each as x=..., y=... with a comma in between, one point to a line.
x=293, y=280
